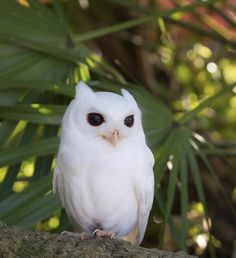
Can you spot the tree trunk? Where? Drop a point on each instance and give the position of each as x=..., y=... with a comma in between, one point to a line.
x=18, y=242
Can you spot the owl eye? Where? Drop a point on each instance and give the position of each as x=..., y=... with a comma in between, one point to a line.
x=95, y=119
x=129, y=121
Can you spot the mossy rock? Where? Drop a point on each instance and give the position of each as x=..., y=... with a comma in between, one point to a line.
x=19, y=242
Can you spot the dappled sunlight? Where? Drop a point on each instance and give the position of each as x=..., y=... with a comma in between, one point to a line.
x=183, y=73
x=200, y=138
x=96, y=58
x=20, y=186
x=201, y=241
x=45, y=110
x=228, y=68
x=27, y=168
x=82, y=71
x=92, y=63
x=35, y=105
x=24, y=3
x=211, y=67
x=198, y=236
x=198, y=62
x=202, y=50
x=209, y=89
x=189, y=101
x=3, y=172
x=53, y=222
x=234, y=195
x=197, y=207
x=42, y=109
x=84, y=74
x=199, y=229
x=166, y=55
x=56, y=87
x=53, y=164
x=19, y=129
x=234, y=89
x=208, y=113
x=232, y=102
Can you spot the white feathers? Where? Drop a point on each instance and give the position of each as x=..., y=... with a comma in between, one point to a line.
x=83, y=91
x=104, y=171
x=128, y=96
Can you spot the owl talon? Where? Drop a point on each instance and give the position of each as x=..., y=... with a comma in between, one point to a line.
x=113, y=236
x=95, y=232
x=102, y=233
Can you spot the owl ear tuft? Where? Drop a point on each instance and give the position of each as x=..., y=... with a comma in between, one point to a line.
x=128, y=96
x=83, y=91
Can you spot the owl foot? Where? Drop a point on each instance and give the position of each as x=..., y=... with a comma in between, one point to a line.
x=102, y=233
x=80, y=236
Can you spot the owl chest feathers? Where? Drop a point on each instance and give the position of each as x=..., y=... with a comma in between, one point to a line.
x=99, y=185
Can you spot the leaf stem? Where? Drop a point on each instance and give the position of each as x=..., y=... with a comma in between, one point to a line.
x=132, y=23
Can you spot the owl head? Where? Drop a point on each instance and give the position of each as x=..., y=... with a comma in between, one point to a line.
x=105, y=116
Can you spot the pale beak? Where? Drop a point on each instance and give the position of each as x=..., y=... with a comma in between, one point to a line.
x=113, y=137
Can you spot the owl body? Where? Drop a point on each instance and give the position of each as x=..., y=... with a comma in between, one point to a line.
x=104, y=174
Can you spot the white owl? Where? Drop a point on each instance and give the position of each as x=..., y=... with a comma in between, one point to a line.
x=104, y=169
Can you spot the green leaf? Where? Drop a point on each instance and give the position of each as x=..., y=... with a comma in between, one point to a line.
x=36, y=113
x=217, y=181
x=175, y=150
x=183, y=149
x=166, y=152
x=13, y=155
x=206, y=103
x=37, y=29
x=34, y=211
x=197, y=178
x=25, y=64
x=43, y=164
x=7, y=184
x=6, y=129
x=54, y=87
x=172, y=187
x=18, y=200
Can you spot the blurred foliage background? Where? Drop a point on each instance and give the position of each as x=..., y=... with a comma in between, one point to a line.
x=177, y=57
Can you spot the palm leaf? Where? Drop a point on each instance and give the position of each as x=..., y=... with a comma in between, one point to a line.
x=35, y=113
x=42, y=85
x=14, y=155
x=31, y=205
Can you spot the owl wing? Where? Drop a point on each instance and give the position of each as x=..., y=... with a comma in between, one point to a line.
x=144, y=190
x=58, y=186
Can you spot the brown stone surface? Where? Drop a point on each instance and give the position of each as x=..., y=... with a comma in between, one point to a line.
x=19, y=242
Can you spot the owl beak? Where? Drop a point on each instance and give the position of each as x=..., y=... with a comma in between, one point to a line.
x=113, y=137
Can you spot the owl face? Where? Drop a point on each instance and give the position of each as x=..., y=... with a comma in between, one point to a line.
x=106, y=117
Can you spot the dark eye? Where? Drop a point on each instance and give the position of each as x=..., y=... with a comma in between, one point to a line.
x=95, y=119
x=129, y=121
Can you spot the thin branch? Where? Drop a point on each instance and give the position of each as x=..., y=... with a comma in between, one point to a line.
x=223, y=15
x=199, y=30
x=132, y=23
x=210, y=34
